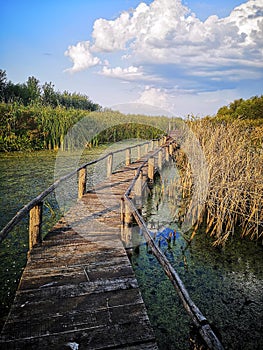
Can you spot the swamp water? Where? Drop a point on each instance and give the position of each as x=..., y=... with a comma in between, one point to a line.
x=225, y=283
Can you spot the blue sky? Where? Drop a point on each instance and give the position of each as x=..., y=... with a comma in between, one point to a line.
x=182, y=56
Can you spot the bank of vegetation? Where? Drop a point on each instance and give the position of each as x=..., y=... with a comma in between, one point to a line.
x=34, y=117
x=232, y=143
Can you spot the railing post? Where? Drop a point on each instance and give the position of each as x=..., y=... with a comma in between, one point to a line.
x=126, y=236
x=171, y=148
x=126, y=215
x=146, y=148
x=138, y=190
x=160, y=159
x=35, y=222
x=139, y=152
x=122, y=210
x=167, y=158
x=138, y=185
x=82, y=182
x=128, y=156
x=151, y=168
x=109, y=164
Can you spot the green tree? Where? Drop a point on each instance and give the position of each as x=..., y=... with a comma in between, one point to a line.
x=49, y=96
x=32, y=91
x=3, y=81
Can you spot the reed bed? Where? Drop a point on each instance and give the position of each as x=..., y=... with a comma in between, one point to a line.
x=234, y=163
x=37, y=127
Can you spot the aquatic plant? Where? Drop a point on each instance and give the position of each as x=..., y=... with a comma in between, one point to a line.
x=234, y=158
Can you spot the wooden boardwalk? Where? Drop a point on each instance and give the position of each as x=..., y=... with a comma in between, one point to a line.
x=78, y=289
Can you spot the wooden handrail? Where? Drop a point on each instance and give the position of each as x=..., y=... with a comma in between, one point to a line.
x=198, y=318
x=34, y=202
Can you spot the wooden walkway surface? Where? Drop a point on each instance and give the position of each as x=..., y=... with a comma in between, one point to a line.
x=78, y=290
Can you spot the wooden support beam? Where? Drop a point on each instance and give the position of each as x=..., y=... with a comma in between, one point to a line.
x=160, y=160
x=128, y=218
x=138, y=184
x=126, y=236
x=122, y=210
x=82, y=182
x=151, y=168
x=109, y=164
x=167, y=156
x=35, y=222
x=138, y=190
x=139, y=152
x=171, y=149
x=155, y=143
x=126, y=215
x=128, y=157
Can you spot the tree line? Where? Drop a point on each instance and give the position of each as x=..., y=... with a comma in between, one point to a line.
x=32, y=92
x=251, y=108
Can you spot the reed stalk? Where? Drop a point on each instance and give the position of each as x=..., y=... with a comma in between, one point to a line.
x=234, y=159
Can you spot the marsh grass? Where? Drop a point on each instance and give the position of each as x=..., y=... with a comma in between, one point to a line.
x=234, y=160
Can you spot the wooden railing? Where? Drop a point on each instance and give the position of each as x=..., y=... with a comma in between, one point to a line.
x=35, y=207
x=130, y=211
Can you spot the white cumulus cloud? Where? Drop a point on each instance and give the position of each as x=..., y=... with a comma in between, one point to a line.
x=81, y=56
x=129, y=73
x=166, y=45
x=168, y=32
x=156, y=97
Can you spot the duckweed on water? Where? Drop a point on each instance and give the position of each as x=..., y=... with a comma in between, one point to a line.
x=225, y=283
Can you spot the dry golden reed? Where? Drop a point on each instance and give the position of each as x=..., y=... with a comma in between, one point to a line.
x=234, y=159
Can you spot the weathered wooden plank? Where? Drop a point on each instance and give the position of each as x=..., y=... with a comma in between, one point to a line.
x=77, y=274
x=125, y=336
x=82, y=303
x=71, y=319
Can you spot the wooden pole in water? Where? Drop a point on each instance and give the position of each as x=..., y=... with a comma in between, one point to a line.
x=82, y=182
x=151, y=168
x=109, y=164
x=35, y=222
x=128, y=156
